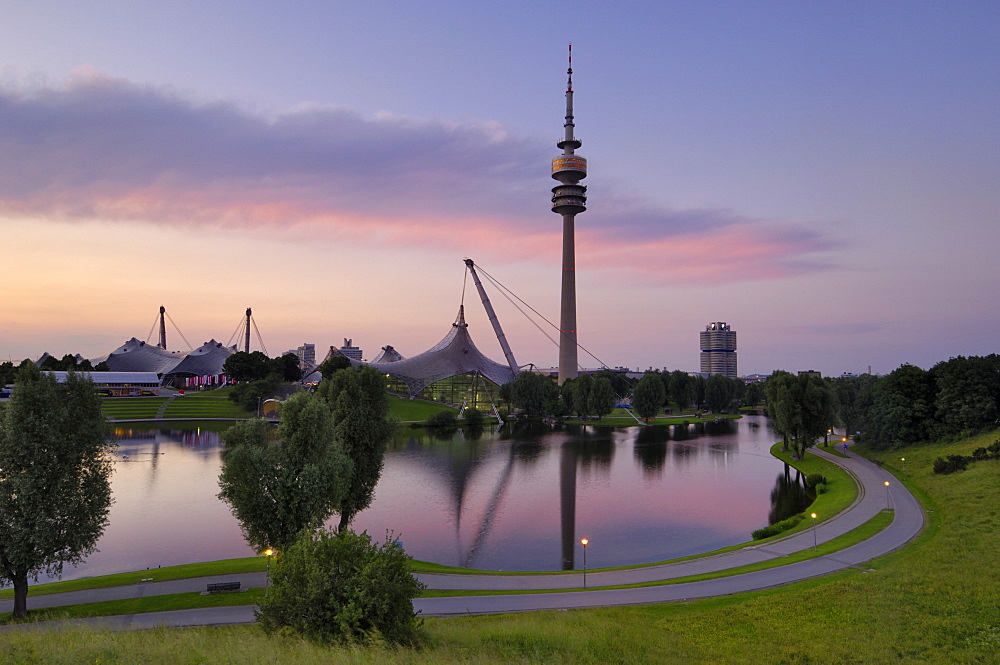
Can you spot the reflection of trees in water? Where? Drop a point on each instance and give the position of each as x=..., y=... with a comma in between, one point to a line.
x=720, y=427
x=650, y=449
x=789, y=496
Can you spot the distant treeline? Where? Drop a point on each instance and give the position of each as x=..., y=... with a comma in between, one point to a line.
x=955, y=398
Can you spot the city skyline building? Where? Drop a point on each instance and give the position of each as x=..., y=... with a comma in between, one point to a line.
x=718, y=349
x=351, y=351
x=569, y=198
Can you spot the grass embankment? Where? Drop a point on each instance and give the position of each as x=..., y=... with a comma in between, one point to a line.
x=129, y=408
x=207, y=404
x=934, y=601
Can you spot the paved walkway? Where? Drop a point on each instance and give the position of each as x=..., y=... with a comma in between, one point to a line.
x=873, y=497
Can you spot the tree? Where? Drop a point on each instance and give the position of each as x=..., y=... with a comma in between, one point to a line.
x=799, y=407
x=333, y=364
x=580, y=395
x=277, y=489
x=647, y=399
x=719, y=393
x=341, y=587
x=527, y=392
x=55, y=488
x=243, y=366
x=966, y=393
x=362, y=427
x=602, y=398
x=680, y=389
x=287, y=367
x=902, y=408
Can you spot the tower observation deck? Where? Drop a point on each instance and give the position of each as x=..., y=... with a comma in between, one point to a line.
x=569, y=198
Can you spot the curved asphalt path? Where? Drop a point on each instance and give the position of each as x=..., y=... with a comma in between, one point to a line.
x=908, y=520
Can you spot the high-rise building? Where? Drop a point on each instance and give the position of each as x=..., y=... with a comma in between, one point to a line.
x=569, y=198
x=718, y=349
x=307, y=355
x=352, y=352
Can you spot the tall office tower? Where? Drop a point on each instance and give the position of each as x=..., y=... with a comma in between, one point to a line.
x=718, y=349
x=569, y=198
x=307, y=355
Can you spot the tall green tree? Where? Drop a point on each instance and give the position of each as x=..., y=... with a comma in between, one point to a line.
x=647, y=399
x=719, y=393
x=55, y=471
x=680, y=389
x=362, y=426
x=799, y=407
x=528, y=392
x=580, y=394
x=902, y=408
x=243, y=366
x=967, y=393
x=602, y=398
x=277, y=488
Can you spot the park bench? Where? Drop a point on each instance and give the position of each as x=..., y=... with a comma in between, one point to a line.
x=221, y=587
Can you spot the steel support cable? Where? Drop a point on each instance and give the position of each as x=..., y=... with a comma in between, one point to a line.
x=505, y=291
x=178, y=330
x=260, y=340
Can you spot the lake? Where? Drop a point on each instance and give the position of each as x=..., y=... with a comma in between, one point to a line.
x=515, y=499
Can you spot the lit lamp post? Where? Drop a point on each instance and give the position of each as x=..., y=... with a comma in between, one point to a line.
x=887, y=505
x=269, y=552
x=813, y=516
x=584, y=541
x=903, y=460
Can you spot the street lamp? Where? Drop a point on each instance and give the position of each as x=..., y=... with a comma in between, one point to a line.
x=269, y=552
x=903, y=460
x=813, y=516
x=584, y=541
x=887, y=504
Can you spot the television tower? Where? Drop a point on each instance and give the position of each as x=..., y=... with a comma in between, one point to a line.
x=569, y=198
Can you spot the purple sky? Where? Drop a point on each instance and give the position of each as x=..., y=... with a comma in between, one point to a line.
x=822, y=176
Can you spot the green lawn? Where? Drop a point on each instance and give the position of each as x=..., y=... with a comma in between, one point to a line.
x=415, y=410
x=204, y=406
x=124, y=408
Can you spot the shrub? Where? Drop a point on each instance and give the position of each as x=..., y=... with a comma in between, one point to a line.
x=951, y=464
x=814, y=479
x=778, y=527
x=474, y=417
x=442, y=419
x=339, y=587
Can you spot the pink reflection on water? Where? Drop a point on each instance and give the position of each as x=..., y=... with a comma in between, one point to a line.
x=495, y=503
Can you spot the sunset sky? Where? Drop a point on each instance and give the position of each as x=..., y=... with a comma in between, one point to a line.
x=823, y=176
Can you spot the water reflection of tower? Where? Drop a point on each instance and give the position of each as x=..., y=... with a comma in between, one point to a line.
x=567, y=504
x=569, y=198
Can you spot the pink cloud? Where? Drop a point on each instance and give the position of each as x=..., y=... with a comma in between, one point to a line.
x=102, y=148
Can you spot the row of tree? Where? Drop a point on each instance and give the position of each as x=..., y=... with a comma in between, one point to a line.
x=955, y=398
x=595, y=395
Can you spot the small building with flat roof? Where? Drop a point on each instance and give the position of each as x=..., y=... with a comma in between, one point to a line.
x=117, y=383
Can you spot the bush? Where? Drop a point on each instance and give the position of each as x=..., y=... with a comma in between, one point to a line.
x=474, y=417
x=814, y=479
x=339, y=587
x=442, y=419
x=951, y=464
x=778, y=527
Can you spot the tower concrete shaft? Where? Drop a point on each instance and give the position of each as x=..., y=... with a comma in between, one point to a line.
x=569, y=198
